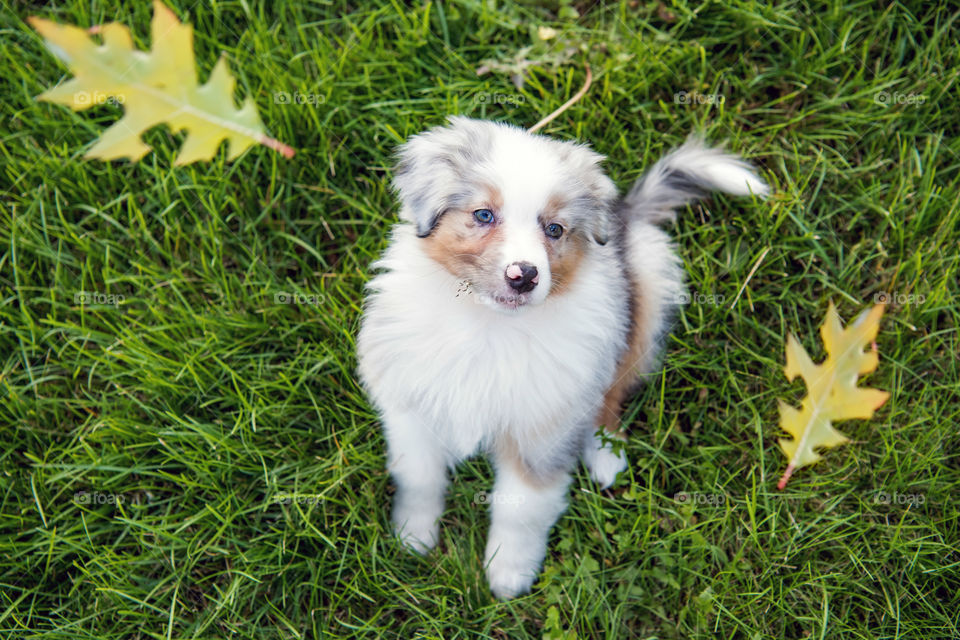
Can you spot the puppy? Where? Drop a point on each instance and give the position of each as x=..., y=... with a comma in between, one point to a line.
x=517, y=305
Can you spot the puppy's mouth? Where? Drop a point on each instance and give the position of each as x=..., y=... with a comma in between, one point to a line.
x=497, y=299
x=510, y=302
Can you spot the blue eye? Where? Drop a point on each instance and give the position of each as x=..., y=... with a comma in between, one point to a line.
x=483, y=215
x=553, y=230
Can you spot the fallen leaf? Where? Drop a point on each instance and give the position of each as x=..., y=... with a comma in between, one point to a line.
x=155, y=87
x=832, y=392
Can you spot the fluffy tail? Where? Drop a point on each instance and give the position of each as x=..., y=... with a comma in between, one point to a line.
x=686, y=175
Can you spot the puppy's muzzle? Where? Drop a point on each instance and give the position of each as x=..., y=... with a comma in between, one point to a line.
x=522, y=276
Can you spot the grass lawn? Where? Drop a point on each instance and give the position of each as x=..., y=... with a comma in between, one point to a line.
x=182, y=454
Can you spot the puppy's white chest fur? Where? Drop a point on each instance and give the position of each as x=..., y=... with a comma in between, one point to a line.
x=430, y=347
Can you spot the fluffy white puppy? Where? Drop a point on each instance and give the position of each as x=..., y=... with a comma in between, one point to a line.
x=519, y=302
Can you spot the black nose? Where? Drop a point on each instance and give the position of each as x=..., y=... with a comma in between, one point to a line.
x=522, y=276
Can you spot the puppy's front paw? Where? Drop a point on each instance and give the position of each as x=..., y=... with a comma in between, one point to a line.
x=417, y=529
x=510, y=572
x=510, y=579
x=604, y=464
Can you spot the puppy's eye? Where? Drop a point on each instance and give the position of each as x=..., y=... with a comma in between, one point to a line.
x=484, y=216
x=553, y=230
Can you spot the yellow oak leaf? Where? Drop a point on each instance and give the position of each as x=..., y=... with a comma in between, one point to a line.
x=155, y=87
x=832, y=391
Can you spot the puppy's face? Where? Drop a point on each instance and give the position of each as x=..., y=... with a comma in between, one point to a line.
x=510, y=214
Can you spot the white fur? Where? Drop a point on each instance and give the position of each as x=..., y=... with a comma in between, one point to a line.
x=521, y=517
x=600, y=459
x=454, y=374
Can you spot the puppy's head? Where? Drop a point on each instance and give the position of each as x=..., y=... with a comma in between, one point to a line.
x=510, y=213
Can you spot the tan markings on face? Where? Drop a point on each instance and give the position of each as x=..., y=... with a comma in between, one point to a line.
x=636, y=361
x=461, y=244
x=565, y=254
x=494, y=198
x=553, y=206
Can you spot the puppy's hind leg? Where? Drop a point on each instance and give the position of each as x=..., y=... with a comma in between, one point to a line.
x=656, y=284
x=418, y=465
x=599, y=457
x=601, y=460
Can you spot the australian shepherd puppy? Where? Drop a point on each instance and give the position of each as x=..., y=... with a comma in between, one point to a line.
x=518, y=304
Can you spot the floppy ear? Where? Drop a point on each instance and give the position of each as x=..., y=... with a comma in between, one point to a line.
x=433, y=169
x=599, y=192
x=600, y=232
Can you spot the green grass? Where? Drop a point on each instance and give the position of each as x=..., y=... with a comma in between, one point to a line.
x=201, y=402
